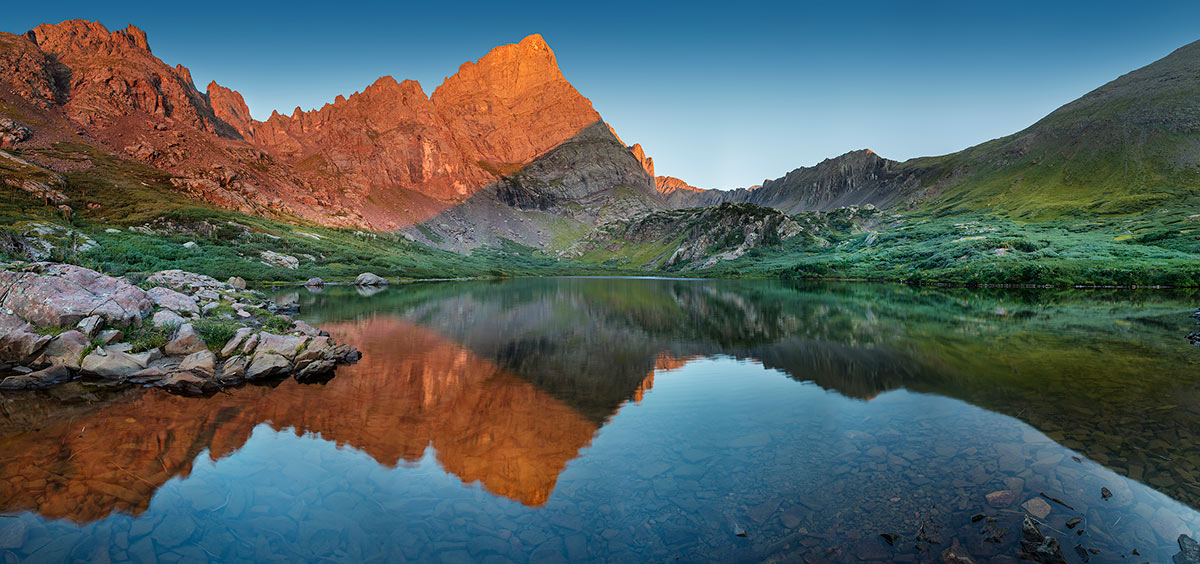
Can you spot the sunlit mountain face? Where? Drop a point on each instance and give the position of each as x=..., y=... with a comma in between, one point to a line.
x=634, y=420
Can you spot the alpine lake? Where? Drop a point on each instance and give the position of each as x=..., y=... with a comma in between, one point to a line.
x=643, y=420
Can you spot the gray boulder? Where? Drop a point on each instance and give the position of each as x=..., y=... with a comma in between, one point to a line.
x=267, y=366
x=188, y=384
x=272, y=258
x=370, y=279
x=166, y=318
x=202, y=363
x=110, y=365
x=237, y=283
x=234, y=344
x=65, y=350
x=110, y=336
x=170, y=299
x=37, y=380
x=90, y=325
x=18, y=341
x=185, y=342
x=286, y=345
x=61, y=295
x=314, y=282
x=185, y=282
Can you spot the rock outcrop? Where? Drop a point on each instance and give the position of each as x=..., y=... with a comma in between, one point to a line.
x=693, y=238
x=189, y=318
x=856, y=178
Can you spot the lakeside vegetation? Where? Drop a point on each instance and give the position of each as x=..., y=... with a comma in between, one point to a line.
x=127, y=218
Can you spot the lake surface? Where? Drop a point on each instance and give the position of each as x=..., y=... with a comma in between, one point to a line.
x=631, y=420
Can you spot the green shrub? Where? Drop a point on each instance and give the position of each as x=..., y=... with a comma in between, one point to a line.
x=216, y=332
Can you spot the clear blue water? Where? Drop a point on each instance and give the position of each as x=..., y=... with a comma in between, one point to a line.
x=642, y=420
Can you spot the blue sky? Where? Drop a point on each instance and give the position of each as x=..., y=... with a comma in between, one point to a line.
x=722, y=95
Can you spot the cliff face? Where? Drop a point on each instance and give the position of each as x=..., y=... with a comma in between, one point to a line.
x=385, y=158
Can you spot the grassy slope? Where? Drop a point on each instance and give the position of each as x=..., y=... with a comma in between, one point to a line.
x=129, y=195
x=1105, y=190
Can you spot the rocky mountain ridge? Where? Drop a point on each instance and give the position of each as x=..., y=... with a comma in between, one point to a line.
x=386, y=158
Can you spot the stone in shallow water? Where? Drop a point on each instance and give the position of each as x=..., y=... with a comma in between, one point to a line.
x=13, y=533
x=1189, y=551
x=1037, y=507
x=1001, y=498
x=174, y=530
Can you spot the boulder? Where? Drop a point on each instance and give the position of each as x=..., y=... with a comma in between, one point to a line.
x=181, y=281
x=90, y=325
x=170, y=299
x=147, y=375
x=267, y=366
x=305, y=328
x=110, y=337
x=166, y=318
x=235, y=342
x=314, y=282
x=317, y=371
x=185, y=342
x=1189, y=551
x=1038, y=547
x=233, y=371
x=62, y=295
x=37, y=380
x=272, y=258
x=250, y=344
x=192, y=245
x=369, y=279
x=202, y=363
x=146, y=357
x=65, y=350
x=110, y=365
x=237, y=283
x=208, y=295
x=286, y=345
x=18, y=341
x=189, y=384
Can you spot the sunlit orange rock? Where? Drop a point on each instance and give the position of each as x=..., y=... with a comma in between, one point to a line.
x=384, y=158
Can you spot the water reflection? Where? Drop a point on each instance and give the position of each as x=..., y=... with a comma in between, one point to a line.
x=643, y=419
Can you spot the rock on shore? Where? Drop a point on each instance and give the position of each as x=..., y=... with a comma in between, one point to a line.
x=186, y=333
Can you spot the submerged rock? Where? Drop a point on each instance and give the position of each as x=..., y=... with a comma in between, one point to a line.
x=956, y=554
x=1189, y=551
x=1038, y=547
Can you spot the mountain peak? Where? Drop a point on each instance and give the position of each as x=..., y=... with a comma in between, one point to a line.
x=229, y=106
x=88, y=38
x=501, y=101
x=534, y=41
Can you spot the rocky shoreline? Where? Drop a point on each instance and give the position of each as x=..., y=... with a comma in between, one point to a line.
x=186, y=333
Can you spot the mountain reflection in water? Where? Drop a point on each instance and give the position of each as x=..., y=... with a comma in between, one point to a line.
x=509, y=385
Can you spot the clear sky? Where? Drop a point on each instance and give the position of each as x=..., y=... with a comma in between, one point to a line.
x=721, y=95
